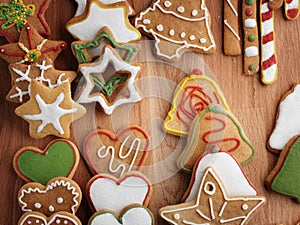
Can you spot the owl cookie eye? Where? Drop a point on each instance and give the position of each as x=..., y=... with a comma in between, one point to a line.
x=37, y=205
x=60, y=200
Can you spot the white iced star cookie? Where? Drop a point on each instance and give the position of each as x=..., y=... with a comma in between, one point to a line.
x=96, y=89
x=99, y=15
x=50, y=111
x=82, y=4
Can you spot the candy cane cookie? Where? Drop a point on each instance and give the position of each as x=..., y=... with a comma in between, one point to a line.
x=231, y=37
x=291, y=9
x=251, y=40
x=268, y=52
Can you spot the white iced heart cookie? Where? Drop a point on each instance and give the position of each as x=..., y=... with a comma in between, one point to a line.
x=106, y=192
x=131, y=215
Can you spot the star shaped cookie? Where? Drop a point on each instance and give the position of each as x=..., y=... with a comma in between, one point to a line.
x=125, y=73
x=42, y=71
x=99, y=15
x=213, y=205
x=30, y=47
x=50, y=111
x=15, y=14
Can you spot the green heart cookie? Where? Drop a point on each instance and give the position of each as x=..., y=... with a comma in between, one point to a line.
x=60, y=158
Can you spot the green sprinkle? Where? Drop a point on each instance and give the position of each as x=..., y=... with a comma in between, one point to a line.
x=251, y=38
x=252, y=67
x=249, y=2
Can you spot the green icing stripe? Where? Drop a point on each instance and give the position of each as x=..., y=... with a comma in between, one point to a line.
x=108, y=87
x=287, y=181
x=83, y=58
x=215, y=109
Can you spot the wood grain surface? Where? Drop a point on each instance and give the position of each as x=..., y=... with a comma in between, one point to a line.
x=252, y=103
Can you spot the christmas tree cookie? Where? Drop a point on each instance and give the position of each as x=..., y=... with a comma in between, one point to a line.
x=284, y=178
x=177, y=26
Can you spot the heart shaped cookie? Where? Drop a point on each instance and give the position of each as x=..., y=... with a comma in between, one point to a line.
x=59, y=159
x=116, y=154
x=36, y=218
x=60, y=194
x=107, y=192
x=131, y=215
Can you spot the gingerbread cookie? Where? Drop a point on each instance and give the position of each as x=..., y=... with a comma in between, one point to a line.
x=212, y=129
x=50, y=111
x=44, y=72
x=98, y=15
x=275, y=4
x=59, y=158
x=36, y=218
x=287, y=120
x=251, y=38
x=291, y=9
x=107, y=192
x=213, y=205
x=116, y=154
x=193, y=95
x=30, y=47
x=60, y=194
x=15, y=14
x=284, y=177
x=132, y=214
x=222, y=163
x=86, y=51
x=176, y=27
x=97, y=89
x=231, y=36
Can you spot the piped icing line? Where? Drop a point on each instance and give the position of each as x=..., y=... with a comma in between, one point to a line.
x=53, y=219
x=232, y=30
x=49, y=187
x=291, y=9
x=42, y=19
x=269, y=68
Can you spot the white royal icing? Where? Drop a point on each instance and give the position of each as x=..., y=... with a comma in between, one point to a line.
x=146, y=21
x=195, y=12
x=250, y=23
x=180, y=9
x=160, y=27
x=232, y=30
x=288, y=121
x=106, y=193
x=172, y=32
x=251, y=51
x=98, y=17
x=133, y=216
x=119, y=65
x=42, y=221
x=167, y=4
x=182, y=35
x=222, y=162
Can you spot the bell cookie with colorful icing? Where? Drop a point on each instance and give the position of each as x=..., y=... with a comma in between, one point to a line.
x=231, y=35
x=98, y=15
x=213, y=205
x=36, y=218
x=287, y=123
x=15, y=14
x=60, y=158
x=229, y=171
x=60, y=194
x=284, y=178
x=193, y=95
x=50, y=111
x=107, y=192
x=215, y=129
x=116, y=154
x=177, y=26
x=110, y=92
x=132, y=214
x=42, y=71
x=86, y=51
x=30, y=47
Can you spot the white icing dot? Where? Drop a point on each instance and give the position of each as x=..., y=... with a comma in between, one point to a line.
x=167, y=4
x=51, y=208
x=28, y=28
x=29, y=222
x=176, y=216
x=2, y=50
x=37, y=205
x=37, y=221
x=160, y=27
x=66, y=222
x=210, y=188
x=182, y=35
x=146, y=21
x=194, y=12
x=60, y=200
x=245, y=207
x=171, y=32
x=192, y=38
x=58, y=221
x=180, y=9
x=202, y=40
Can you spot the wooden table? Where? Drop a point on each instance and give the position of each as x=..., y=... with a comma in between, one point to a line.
x=252, y=103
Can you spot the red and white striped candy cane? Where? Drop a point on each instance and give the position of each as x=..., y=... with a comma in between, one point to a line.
x=268, y=50
x=291, y=9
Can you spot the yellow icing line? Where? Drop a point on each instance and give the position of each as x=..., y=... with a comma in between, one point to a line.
x=170, y=117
